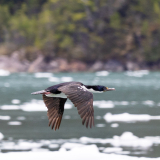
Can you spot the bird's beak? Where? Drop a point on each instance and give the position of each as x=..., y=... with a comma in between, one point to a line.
x=109, y=89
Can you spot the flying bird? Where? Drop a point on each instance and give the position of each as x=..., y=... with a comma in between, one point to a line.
x=80, y=95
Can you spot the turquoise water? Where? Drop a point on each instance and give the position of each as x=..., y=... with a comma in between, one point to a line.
x=126, y=120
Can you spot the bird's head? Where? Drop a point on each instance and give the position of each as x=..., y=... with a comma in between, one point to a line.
x=104, y=89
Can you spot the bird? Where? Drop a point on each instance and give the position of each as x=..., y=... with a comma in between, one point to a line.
x=79, y=94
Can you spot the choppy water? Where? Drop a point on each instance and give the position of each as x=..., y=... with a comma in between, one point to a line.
x=127, y=121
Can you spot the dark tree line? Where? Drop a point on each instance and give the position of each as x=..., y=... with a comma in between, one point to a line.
x=82, y=29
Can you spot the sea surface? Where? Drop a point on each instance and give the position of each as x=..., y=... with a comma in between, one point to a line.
x=127, y=120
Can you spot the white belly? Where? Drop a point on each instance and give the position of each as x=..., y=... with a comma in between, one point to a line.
x=61, y=95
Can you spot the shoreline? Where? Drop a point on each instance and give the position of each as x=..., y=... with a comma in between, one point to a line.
x=14, y=64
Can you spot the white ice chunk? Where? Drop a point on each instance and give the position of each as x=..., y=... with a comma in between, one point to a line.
x=4, y=72
x=15, y=123
x=43, y=75
x=15, y=101
x=102, y=73
x=126, y=117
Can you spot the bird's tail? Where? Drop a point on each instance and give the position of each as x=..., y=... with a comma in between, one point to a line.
x=39, y=92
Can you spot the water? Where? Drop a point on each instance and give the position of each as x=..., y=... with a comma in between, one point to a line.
x=126, y=120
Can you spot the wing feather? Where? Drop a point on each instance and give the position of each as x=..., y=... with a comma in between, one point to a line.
x=55, y=107
x=82, y=99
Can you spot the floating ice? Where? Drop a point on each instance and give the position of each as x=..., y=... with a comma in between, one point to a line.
x=148, y=102
x=21, y=118
x=102, y=73
x=71, y=155
x=72, y=145
x=126, y=117
x=14, y=123
x=67, y=117
x=112, y=150
x=80, y=148
x=114, y=125
x=34, y=105
x=4, y=72
x=43, y=75
x=67, y=106
x=53, y=146
x=1, y=136
x=98, y=117
x=21, y=146
x=127, y=139
x=80, y=154
x=140, y=73
x=103, y=104
x=66, y=79
x=15, y=101
x=123, y=103
x=100, y=125
x=10, y=107
x=5, y=118
x=54, y=79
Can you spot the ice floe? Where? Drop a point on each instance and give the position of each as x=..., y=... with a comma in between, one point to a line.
x=67, y=106
x=148, y=102
x=84, y=153
x=62, y=79
x=66, y=79
x=14, y=123
x=43, y=75
x=127, y=139
x=54, y=79
x=126, y=117
x=102, y=73
x=112, y=150
x=33, y=105
x=84, y=145
x=15, y=101
x=100, y=125
x=140, y=73
x=114, y=125
x=1, y=136
x=71, y=145
x=4, y=72
x=6, y=118
x=10, y=107
x=103, y=104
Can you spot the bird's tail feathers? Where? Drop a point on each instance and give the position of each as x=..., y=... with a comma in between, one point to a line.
x=39, y=92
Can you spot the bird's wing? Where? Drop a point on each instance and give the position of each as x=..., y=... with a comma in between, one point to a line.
x=82, y=99
x=55, y=110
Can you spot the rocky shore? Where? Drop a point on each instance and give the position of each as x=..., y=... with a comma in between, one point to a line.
x=15, y=64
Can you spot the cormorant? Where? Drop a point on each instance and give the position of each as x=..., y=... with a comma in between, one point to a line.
x=55, y=97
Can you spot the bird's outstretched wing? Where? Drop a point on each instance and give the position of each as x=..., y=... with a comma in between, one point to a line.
x=82, y=99
x=55, y=110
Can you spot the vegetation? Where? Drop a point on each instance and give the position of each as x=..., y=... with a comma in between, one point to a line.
x=82, y=29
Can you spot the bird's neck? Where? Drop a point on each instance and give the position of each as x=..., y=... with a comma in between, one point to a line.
x=93, y=89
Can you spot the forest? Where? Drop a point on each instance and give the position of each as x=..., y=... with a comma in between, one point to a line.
x=86, y=30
